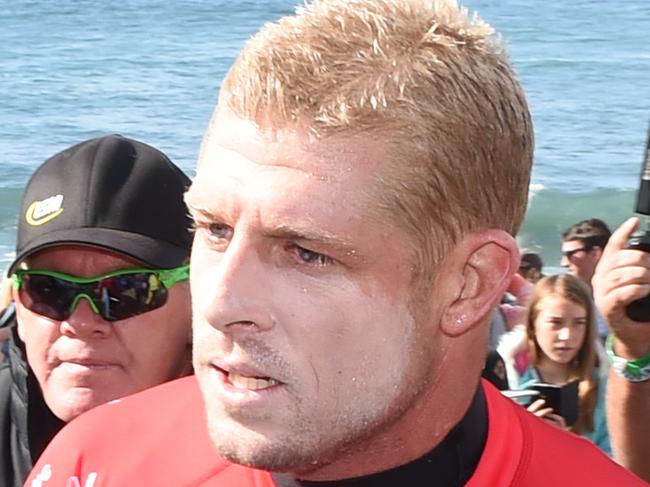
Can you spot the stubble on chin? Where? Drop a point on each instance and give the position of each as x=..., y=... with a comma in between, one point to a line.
x=274, y=456
x=303, y=448
x=312, y=433
x=246, y=446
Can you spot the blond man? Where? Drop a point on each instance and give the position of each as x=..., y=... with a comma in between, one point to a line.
x=354, y=230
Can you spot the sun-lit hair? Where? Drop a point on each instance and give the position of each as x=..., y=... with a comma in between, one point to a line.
x=582, y=367
x=423, y=77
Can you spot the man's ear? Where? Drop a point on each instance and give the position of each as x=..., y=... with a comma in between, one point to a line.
x=482, y=266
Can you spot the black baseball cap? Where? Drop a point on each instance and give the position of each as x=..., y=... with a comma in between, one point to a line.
x=110, y=192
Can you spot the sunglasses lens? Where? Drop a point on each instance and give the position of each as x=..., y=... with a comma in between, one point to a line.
x=116, y=298
x=121, y=297
x=571, y=254
x=47, y=295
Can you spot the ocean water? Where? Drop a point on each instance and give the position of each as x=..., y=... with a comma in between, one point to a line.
x=74, y=69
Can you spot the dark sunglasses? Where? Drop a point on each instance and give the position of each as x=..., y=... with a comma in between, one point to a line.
x=569, y=254
x=114, y=296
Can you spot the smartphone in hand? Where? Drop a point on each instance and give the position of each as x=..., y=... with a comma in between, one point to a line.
x=562, y=399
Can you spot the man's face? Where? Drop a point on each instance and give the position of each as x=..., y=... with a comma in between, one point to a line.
x=304, y=340
x=85, y=361
x=579, y=259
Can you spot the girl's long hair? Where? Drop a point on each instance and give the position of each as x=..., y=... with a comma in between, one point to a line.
x=582, y=366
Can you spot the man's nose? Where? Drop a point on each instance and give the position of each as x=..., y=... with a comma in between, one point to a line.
x=564, y=261
x=84, y=322
x=237, y=290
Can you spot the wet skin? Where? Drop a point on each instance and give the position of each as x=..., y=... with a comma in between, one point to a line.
x=306, y=339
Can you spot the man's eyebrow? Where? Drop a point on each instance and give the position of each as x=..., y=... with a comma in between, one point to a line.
x=286, y=231
x=291, y=232
x=203, y=212
x=197, y=209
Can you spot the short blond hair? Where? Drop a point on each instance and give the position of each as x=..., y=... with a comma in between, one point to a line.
x=431, y=81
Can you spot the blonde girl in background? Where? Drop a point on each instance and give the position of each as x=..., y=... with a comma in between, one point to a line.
x=561, y=333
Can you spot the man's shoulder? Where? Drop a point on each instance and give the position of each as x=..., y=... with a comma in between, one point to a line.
x=157, y=437
x=6, y=386
x=525, y=451
x=6, y=382
x=553, y=454
x=173, y=394
x=145, y=420
x=178, y=401
x=123, y=472
x=5, y=373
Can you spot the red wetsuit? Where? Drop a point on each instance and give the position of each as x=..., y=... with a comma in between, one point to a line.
x=159, y=438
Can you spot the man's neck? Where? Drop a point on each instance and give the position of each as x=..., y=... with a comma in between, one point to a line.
x=427, y=420
x=451, y=463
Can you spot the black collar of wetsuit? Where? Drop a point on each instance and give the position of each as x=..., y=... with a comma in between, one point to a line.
x=450, y=464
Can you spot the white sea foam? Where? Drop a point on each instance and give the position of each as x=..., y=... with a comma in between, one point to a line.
x=533, y=189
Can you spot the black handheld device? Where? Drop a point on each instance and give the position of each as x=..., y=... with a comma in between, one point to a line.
x=563, y=399
x=639, y=310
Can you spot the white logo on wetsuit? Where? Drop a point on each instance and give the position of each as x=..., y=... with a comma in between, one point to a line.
x=46, y=474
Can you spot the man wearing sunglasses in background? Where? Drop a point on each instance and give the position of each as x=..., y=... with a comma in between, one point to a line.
x=100, y=290
x=582, y=247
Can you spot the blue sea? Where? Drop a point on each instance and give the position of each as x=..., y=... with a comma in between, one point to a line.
x=74, y=69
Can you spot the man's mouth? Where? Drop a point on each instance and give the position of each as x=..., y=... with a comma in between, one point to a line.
x=84, y=362
x=240, y=381
x=252, y=380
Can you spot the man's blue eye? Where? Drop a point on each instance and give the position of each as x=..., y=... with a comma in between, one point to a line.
x=219, y=230
x=311, y=257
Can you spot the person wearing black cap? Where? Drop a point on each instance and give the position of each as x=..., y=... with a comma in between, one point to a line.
x=100, y=290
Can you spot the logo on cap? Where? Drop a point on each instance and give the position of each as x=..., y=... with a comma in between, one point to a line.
x=43, y=211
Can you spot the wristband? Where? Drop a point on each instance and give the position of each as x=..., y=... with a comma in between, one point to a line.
x=637, y=370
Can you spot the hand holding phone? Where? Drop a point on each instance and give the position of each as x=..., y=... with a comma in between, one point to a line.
x=549, y=401
x=639, y=310
x=563, y=400
x=623, y=276
x=540, y=409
